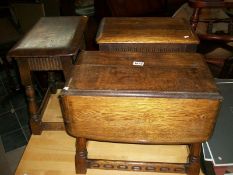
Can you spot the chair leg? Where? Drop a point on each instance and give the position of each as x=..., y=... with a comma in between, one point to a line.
x=194, y=159
x=194, y=18
x=81, y=156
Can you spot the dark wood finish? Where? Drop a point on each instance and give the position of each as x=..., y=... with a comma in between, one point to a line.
x=35, y=122
x=137, y=166
x=52, y=44
x=52, y=82
x=150, y=101
x=102, y=58
x=146, y=35
x=195, y=18
x=194, y=159
x=217, y=39
x=51, y=36
x=211, y=3
x=198, y=5
x=124, y=8
x=188, y=68
x=192, y=167
x=81, y=156
x=25, y=72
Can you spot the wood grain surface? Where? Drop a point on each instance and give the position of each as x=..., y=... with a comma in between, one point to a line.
x=51, y=36
x=52, y=153
x=145, y=30
x=171, y=98
x=140, y=120
x=115, y=73
x=150, y=59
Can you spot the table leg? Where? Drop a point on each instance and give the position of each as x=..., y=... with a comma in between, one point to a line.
x=25, y=74
x=81, y=156
x=52, y=82
x=35, y=121
x=194, y=159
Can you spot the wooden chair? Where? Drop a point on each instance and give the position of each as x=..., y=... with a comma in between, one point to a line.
x=221, y=38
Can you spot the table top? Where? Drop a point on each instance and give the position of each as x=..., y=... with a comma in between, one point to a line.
x=145, y=30
x=51, y=36
x=183, y=75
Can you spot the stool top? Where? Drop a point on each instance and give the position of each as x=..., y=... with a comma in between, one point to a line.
x=145, y=30
x=51, y=36
x=168, y=75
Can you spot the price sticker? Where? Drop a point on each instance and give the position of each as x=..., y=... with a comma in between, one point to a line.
x=138, y=63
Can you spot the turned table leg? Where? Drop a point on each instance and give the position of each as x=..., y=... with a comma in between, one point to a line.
x=25, y=74
x=35, y=122
x=81, y=156
x=52, y=82
x=194, y=159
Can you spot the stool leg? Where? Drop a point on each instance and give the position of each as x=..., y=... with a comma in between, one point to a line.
x=81, y=156
x=25, y=74
x=194, y=159
x=35, y=122
x=52, y=82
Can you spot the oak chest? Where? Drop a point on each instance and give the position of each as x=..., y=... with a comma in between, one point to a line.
x=159, y=98
x=148, y=34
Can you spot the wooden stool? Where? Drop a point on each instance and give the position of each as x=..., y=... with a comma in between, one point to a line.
x=52, y=44
x=146, y=35
x=140, y=98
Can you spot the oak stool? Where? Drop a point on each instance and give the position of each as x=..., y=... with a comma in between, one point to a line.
x=52, y=44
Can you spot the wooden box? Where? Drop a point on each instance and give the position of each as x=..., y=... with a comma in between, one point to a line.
x=156, y=98
x=148, y=34
x=51, y=45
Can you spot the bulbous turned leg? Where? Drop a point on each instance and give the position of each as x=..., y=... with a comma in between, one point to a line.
x=81, y=156
x=194, y=159
x=35, y=121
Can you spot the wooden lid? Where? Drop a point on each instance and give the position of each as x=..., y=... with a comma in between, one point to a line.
x=51, y=36
x=182, y=75
x=146, y=30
